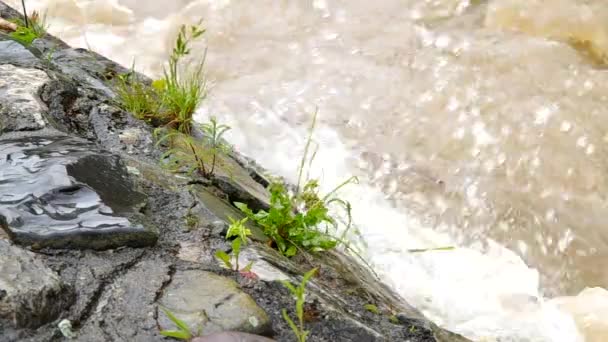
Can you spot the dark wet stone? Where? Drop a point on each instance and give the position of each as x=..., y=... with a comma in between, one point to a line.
x=48, y=46
x=30, y=293
x=118, y=131
x=68, y=108
x=210, y=206
x=88, y=68
x=60, y=192
x=125, y=310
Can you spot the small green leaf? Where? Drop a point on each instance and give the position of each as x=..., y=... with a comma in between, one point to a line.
x=225, y=258
x=393, y=319
x=178, y=334
x=372, y=308
x=236, y=246
x=291, y=251
x=292, y=325
x=178, y=322
x=307, y=276
x=238, y=228
x=248, y=267
x=159, y=84
x=291, y=288
x=244, y=208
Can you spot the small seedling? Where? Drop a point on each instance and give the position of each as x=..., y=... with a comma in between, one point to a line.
x=241, y=233
x=200, y=156
x=191, y=221
x=138, y=98
x=300, y=294
x=183, y=331
x=214, y=133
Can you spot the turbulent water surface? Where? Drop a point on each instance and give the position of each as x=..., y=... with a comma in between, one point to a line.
x=476, y=124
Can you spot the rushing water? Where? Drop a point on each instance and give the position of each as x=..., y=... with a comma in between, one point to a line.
x=475, y=124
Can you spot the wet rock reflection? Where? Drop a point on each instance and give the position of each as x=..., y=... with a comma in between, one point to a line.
x=61, y=192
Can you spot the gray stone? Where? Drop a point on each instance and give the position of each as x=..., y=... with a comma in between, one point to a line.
x=125, y=308
x=62, y=192
x=237, y=183
x=232, y=337
x=19, y=109
x=88, y=68
x=211, y=303
x=14, y=53
x=30, y=293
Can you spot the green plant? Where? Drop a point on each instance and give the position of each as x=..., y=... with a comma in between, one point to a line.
x=172, y=100
x=294, y=219
x=182, y=95
x=28, y=30
x=192, y=221
x=48, y=57
x=240, y=232
x=141, y=100
x=300, y=294
x=213, y=133
x=183, y=331
x=289, y=229
x=196, y=155
x=372, y=308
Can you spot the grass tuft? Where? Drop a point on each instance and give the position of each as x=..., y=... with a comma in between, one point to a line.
x=29, y=30
x=172, y=100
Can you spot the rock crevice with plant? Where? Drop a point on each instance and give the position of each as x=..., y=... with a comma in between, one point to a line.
x=123, y=219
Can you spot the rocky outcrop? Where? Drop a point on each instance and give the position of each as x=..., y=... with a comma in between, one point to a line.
x=31, y=294
x=97, y=237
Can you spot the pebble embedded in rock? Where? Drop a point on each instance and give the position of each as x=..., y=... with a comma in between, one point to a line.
x=232, y=337
x=212, y=303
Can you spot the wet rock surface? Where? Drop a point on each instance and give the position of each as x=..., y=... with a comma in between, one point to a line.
x=19, y=109
x=31, y=294
x=60, y=192
x=115, y=236
x=16, y=54
x=211, y=303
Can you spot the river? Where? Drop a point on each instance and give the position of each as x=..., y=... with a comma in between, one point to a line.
x=481, y=125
